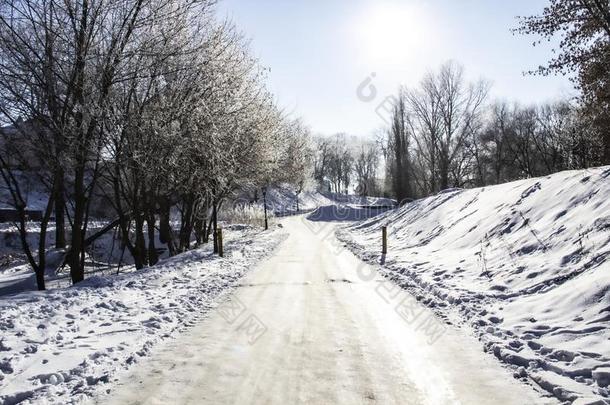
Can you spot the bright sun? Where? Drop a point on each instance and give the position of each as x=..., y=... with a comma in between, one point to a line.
x=391, y=32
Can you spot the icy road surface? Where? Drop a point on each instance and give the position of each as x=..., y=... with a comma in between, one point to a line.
x=313, y=325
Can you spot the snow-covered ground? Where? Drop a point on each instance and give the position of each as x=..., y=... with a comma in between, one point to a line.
x=314, y=325
x=16, y=275
x=62, y=345
x=106, y=251
x=283, y=200
x=524, y=264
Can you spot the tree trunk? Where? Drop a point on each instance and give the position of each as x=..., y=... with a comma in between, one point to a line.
x=124, y=219
x=186, y=226
x=42, y=253
x=60, y=209
x=76, y=260
x=153, y=257
x=208, y=229
x=215, y=226
x=125, y=226
x=165, y=228
x=200, y=229
x=140, y=244
x=443, y=168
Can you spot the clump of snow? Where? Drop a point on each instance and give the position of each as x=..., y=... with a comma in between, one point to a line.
x=602, y=376
x=60, y=346
x=525, y=264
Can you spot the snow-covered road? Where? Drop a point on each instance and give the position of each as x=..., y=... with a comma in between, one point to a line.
x=314, y=325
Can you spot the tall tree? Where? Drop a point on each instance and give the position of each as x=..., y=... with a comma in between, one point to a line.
x=584, y=30
x=398, y=144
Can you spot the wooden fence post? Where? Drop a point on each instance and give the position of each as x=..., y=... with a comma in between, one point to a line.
x=384, y=240
x=220, y=247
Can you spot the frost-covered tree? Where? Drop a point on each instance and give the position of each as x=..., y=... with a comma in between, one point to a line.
x=583, y=27
x=366, y=165
x=155, y=106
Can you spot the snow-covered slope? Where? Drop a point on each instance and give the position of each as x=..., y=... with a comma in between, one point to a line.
x=284, y=200
x=62, y=345
x=31, y=187
x=524, y=263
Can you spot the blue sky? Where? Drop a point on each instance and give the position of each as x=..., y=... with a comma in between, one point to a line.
x=320, y=51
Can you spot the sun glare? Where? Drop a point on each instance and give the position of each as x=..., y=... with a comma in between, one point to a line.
x=391, y=32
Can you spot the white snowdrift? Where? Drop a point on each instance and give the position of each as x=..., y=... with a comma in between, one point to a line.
x=61, y=346
x=525, y=264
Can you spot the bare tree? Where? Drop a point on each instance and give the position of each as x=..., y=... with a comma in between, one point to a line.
x=443, y=113
x=151, y=105
x=584, y=49
x=366, y=164
x=399, y=166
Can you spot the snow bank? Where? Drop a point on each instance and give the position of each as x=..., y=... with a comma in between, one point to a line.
x=525, y=264
x=61, y=346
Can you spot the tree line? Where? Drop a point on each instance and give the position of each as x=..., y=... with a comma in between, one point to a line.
x=154, y=107
x=345, y=164
x=445, y=134
x=583, y=30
